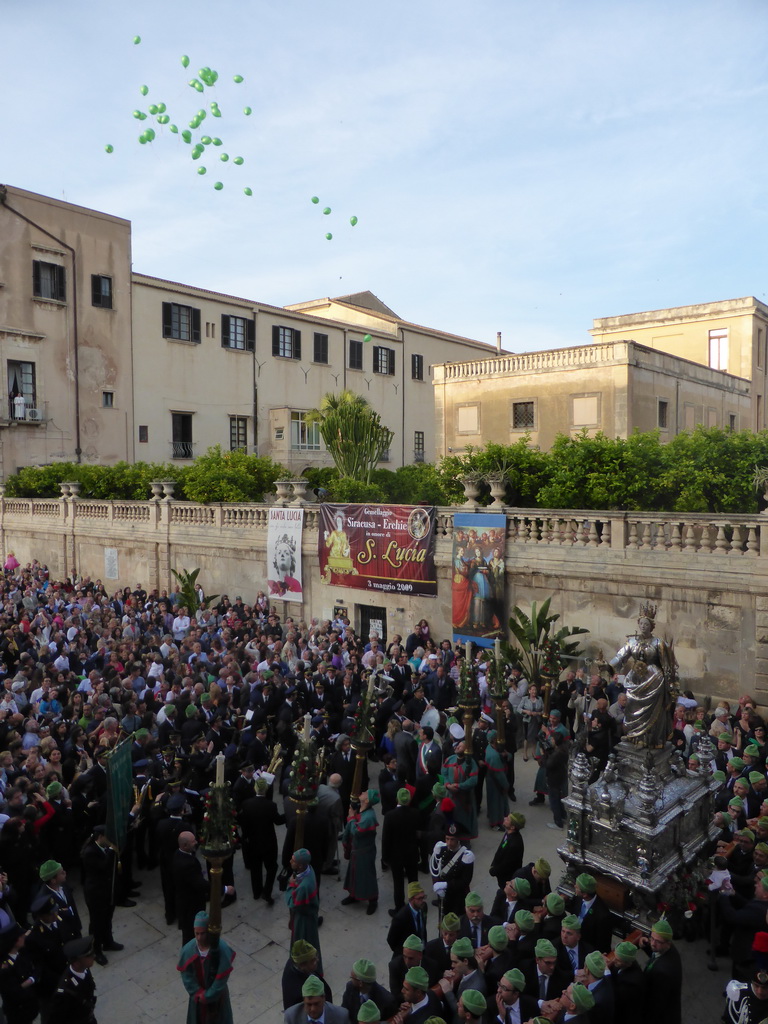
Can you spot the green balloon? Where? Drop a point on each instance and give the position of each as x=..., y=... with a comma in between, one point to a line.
x=224, y=157
x=138, y=115
x=247, y=111
x=215, y=111
x=143, y=139
x=204, y=73
x=367, y=337
x=162, y=107
x=109, y=148
x=163, y=119
x=353, y=221
x=136, y=40
x=219, y=186
x=196, y=154
x=184, y=61
x=202, y=114
x=187, y=136
x=329, y=236
x=201, y=170
x=238, y=79
x=315, y=200
x=174, y=129
x=153, y=108
x=194, y=123
x=238, y=160
x=150, y=133
x=214, y=77
x=144, y=89
x=248, y=191
x=205, y=139
x=216, y=141
x=327, y=210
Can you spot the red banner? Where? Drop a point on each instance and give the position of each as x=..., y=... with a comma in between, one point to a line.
x=384, y=548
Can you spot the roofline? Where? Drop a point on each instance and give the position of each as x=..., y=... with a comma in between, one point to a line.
x=22, y=193
x=699, y=310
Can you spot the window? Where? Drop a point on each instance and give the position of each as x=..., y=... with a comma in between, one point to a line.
x=718, y=349
x=286, y=342
x=663, y=419
x=731, y=422
x=468, y=419
x=418, y=446
x=321, y=348
x=238, y=433
x=355, y=355
x=383, y=360
x=101, y=291
x=523, y=416
x=759, y=347
x=49, y=281
x=108, y=399
x=143, y=435
x=304, y=436
x=238, y=332
x=417, y=367
x=182, y=323
x=385, y=456
x=21, y=390
x=181, y=439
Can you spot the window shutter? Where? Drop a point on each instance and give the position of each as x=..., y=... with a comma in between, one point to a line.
x=297, y=344
x=61, y=283
x=95, y=290
x=35, y=277
x=250, y=335
x=392, y=361
x=275, y=340
x=167, y=320
x=195, y=325
x=224, y=330
x=376, y=365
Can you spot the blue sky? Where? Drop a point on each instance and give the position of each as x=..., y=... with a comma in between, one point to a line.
x=521, y=167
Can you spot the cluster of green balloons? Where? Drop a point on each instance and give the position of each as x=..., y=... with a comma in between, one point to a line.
x=326, y=212
x=206, y=78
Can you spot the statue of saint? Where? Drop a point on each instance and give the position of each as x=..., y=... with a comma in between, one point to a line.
x=650, y=683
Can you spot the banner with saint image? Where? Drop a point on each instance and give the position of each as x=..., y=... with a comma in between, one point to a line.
x=284, y=553
x=478, y=577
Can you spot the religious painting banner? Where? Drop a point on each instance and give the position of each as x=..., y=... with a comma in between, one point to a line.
x=478, y=577
x=284, y=553
x=384, y=548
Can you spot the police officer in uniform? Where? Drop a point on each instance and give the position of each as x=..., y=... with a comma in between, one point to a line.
x=74, y=1000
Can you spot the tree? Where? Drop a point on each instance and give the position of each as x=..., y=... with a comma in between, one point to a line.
x=189, y=598
x=353, y=434
x=541, y=650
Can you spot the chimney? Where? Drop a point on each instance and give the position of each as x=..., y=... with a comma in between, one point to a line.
x=498, y=342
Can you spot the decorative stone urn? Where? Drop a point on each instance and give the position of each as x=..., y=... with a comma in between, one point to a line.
x=65, y=487
x=471, y=485
x=283, y=489
x=157, y=489
x=498, y=484
x=301, y=492
x=169, y=486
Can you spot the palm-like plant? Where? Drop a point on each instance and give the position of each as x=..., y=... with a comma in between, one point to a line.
x=187, y=581
x=353, y=433
x=540, y=649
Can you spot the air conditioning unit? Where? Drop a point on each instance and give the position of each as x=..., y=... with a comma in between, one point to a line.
x=35, y=415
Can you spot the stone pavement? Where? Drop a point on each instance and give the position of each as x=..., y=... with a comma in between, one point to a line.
x=141, y=984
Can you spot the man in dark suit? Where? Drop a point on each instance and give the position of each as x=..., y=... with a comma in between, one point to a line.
x=508, y=858
x=258, y=817
x=537, y=875
x=510, y=993
x=410, y=919
x=439, y=950
x=598, y=981
x=401, y=675
x=400, y=845
x=412, y=955
x=190, y=884
x=596, y=920
x=167, y=832
x=513, y=897
x=577, y=1002
x=343, y=764
x=663, y=976
x=422, y=1003
x=571, y=948
x=629, y=989
x=302, y=962
x=314, y=1006
x=406, y=748
x=475, y=923
x=542, y=979
x=361, y=987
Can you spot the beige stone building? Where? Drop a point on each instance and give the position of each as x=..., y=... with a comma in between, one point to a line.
x=99, y=364
x=615, y=387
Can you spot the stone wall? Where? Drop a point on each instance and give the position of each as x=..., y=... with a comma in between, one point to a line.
x=707, y=575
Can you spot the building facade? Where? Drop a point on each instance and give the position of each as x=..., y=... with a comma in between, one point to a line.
x=613, y=387
x=100, y=364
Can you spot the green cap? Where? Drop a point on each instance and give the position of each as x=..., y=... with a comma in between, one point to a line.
x=415, y=889
x=751, y=750
x=498, y=939
x=516, y=978
x=525, y=920
x=369, y=1012
x=403, y=797
x=439, y=792
x=662, y=928
x=583, y=999
x=762, y=847
x=718, y=776
x=736, y=801
x=595, y=964
x=415, y=943
x=302, y=951
x=736, y=762
x=518, y=820
x=626, y=951
x=756, y=777
x=522, y=886
x=555, y=904
x=747, y=833
x=545, y=948
x=48, y=870
x=206, y=698
x=261, y=785
x=725, y=737
x=473, y=899
x=587, y=883
x=313, y=987
x=191, y=711
x=474, y=1001
x=543, y=868
x=463, y=948
x=53, y=790
x=762, y=823
x=364, y=970
x=418, y=977
x=450, y=923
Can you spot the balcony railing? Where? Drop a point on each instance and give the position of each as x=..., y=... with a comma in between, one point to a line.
x=182, y=449
x=23, y=410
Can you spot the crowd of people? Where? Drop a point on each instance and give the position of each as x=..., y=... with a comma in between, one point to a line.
x=82, y=670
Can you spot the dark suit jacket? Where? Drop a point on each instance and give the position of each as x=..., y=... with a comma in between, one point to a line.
x=583, y=949
x=508, y=858
x=529, y=1008
x=597, y=925
x=332, y=1014
x=555, y=985
x=402, y=926
x=398, y=970
x=486, y=923
x=629, y=994
x=378, y=994
x=435, y=950
x=293, y=979
x=258, y=817
x=190, y=887
x=603, y=1010
x=399, y=841
x=664, y=978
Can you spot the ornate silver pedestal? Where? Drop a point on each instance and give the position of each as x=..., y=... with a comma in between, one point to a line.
x=640, y=829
